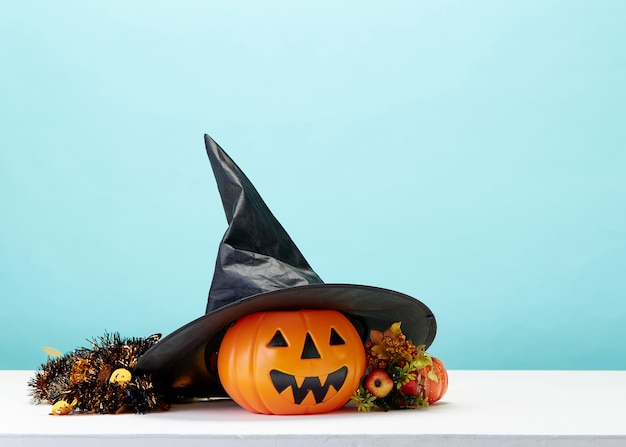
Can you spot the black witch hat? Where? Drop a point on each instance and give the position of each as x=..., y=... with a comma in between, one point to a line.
x=259, y=268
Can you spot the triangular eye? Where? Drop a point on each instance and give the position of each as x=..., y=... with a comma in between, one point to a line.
x=277, y=341
x=335, y=338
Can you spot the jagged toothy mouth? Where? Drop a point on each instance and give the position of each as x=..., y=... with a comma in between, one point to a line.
x=282, y=381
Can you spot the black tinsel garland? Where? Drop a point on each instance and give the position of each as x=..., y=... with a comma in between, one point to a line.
x=100, y=379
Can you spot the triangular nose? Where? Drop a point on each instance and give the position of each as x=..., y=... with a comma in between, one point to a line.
x=310, y=350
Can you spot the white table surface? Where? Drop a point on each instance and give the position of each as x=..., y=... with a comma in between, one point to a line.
x=481, y=408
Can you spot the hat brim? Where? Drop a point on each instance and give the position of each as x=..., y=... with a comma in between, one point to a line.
x=184, y=359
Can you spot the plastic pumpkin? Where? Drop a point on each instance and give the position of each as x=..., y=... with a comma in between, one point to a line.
x=291, y=362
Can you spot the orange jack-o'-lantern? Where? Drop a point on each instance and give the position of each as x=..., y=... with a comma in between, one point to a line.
x=298, y=362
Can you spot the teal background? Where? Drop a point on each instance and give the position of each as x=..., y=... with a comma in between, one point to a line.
x=471, y=154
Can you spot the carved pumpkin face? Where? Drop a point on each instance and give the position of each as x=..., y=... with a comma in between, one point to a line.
x=291, y=362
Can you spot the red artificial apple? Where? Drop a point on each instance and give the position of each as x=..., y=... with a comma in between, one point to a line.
x=410, y=388
x=379, y=383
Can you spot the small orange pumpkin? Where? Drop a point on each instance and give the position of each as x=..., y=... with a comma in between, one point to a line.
x=291, y=362
x=434, y=390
